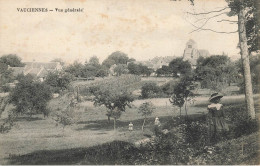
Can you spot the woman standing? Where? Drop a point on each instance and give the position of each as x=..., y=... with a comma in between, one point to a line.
x=216, y=121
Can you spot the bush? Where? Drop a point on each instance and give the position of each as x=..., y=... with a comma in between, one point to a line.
x=150, y=90
x=242, y=124
x=196, y=133
x=6, y=88
x=8, y=123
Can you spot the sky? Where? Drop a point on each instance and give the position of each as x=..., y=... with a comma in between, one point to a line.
x=141, y=29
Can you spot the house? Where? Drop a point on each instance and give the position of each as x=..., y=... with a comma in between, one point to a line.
x=157, y=62
x=37, y=69
x=192, y=53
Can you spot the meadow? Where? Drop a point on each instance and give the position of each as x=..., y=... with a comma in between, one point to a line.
x=92, y=140
x=37, y=135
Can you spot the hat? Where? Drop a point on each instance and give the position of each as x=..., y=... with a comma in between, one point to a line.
x=215, y=96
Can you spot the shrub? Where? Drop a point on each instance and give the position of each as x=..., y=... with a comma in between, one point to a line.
x=150, y=90
x=195, y=133
x=8, y=123
x=242, y=124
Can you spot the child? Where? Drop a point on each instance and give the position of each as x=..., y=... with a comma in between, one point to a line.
x=130, y=126
x=216, y=121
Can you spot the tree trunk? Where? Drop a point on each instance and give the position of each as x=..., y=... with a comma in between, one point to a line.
x=180, y=111
x=114, y=123
x=246, y=63
x=108, y=119
x=186, y=108
x=143, y=124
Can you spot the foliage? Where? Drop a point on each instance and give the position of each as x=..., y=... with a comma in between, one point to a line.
x=94, y=61
x=90, y=69
x=30, y=97
x=164, y=71
x=149, y=90
x=139, y=69
x=178, y=65
x=114, y=95
x=168, y=88
x=182, y=92
x=11, y=60
x=146, y=109
x=115, y=58
x=252, y=22
x=195, y=133
x=75, y=69
x=215, y=72
x=120, y=69
x=65, y=117
x=8, y=123
x=58, y=81
x=102, y=72
x=6, y=74
x=119, y=57
x=254, y=69
x=242, y=124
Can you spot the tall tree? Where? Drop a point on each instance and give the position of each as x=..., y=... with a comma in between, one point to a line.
x=241, y=7
x=248, y=31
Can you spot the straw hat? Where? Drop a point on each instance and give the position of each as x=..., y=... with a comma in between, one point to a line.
x=215, y=96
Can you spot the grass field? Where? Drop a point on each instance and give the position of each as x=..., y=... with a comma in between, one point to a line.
x=31, y=135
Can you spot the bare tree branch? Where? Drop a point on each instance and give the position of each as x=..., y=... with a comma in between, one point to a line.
x=223, y=20
x=208, y=18
x=207, y=29
x=200, y=28
x=215, y=11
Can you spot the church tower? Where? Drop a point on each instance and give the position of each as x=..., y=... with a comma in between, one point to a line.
x=191, y=53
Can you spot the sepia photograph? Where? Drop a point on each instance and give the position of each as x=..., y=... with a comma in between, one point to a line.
x=129, y=82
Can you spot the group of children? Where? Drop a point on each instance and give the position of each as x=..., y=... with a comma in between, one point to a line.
x=156, y=123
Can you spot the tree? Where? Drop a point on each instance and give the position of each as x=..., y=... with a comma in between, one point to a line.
x=164, y=70
x=215, y=72
x=30, y=97
x=114, y=98
x=139, y=69
x=120, y=69
x=11, y=60
x=248, y=31
x=146, y=109
x=119, y=57
x=102, y=72
x=116, y=58
x=6, y=74
x=177, y=65
x=58, y=81
x=182, y=93
x=94, y=61
x=75, y=69
x=150, y=90
x=67, y=115
x=108, y=63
